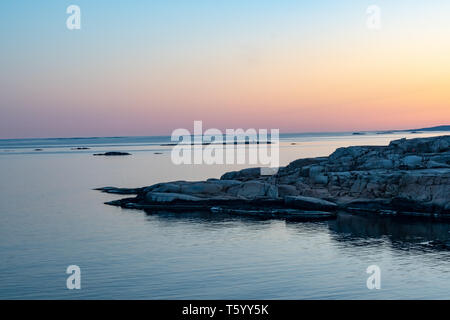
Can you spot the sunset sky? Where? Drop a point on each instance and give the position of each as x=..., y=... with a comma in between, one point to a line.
x=149, y=67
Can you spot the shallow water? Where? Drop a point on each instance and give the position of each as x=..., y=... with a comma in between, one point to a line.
x=51, y=218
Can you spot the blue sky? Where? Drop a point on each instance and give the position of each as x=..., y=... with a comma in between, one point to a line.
x=147, y=67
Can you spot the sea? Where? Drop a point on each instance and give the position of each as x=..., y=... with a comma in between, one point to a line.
x=52, y=218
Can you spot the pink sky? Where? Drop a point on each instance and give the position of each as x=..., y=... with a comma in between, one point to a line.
x=293, y=68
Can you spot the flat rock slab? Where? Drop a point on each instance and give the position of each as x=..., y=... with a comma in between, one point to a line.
x=115, y=190
x=310, y=203
x=405, y=176
x=162, y=197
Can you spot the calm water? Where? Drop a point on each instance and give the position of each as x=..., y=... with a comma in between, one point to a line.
x=51, y=218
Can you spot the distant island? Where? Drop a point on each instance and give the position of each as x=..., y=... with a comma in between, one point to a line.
x=436, y=128
x=112, y=153
x=430, y=129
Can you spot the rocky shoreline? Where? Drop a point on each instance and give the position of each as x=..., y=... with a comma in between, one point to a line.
x=407, y=177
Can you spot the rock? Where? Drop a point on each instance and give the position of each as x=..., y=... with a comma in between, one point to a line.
x=366, y=205
x=316, y=173
x=201, y=187
x=316, y=170
x=320, y=179
x=441, y=158
x=422, y=145
x=447, y=206
x=250, y=173
x=120, y=190
x=167, y=187
x=310, y=203
x=225, y=183
x=406, y=177
x=317, y=192
x=304, y=171
x=113, y=153
x=300, y=163
x=433, y=164
x=254, y=190
x=359, y=185
x=162, y=197
x=412, y=162
x=287, y=180
x=287, y=190
x=378, y=164
x=272, y=191
x=442, y=145
x=353, y=152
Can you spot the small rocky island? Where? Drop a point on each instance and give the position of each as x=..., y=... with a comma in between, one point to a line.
x=407, y=177
x=112, y=154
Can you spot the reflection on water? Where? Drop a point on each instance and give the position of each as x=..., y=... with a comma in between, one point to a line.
x=403, y=233
x=51, y=218
x=312, y=260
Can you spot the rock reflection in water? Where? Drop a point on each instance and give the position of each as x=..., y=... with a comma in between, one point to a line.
x=403, y=233
x=354, y=229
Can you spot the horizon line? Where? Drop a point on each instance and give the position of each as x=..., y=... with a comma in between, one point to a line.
x=159, y=135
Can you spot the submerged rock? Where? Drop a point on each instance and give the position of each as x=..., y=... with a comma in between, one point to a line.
x=407, y=177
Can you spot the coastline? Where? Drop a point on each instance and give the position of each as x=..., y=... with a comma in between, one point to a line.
x=407, y=177
x=50, y=196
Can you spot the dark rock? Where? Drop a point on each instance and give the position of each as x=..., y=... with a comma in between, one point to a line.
x=254, y=190
x=201, y=187
x=113, y=153
x=407, y=177
x=163, y=197
x=287, y=190
x=245, y=174
x=310, y=203
x=120, y=190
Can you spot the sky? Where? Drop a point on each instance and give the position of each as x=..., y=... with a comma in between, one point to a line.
x=150, y=67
